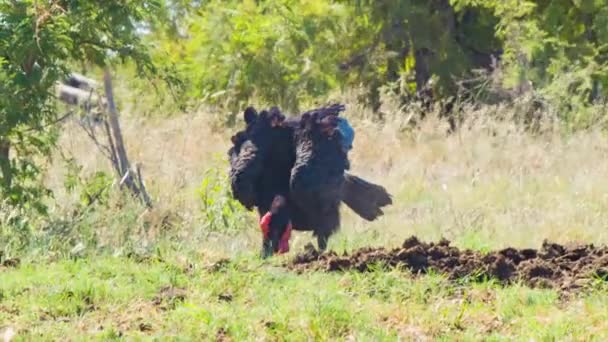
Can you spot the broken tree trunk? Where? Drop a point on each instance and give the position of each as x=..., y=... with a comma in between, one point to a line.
x=82, y=91
x=123, y=161
x=116, y=141
x=76, y=96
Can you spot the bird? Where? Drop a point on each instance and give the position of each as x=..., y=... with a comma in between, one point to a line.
x=302, y=159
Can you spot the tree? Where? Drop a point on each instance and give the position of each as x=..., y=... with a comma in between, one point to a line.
x=558, y=46
x=288, y=51
x=39, y=41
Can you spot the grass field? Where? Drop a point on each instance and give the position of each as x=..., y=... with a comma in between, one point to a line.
x=119, y=271
x=181, y=299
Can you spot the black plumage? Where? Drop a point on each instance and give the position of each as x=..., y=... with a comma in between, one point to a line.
x=301, y=159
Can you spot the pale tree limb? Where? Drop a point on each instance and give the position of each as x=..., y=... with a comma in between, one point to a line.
x=142, y=187
x=112, y=149
x=119, y=146
x=115, y=125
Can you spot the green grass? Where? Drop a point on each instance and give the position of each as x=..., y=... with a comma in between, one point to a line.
x=112, y=297
x=104, y=272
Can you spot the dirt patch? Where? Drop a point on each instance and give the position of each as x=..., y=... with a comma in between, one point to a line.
x=552, y=266
x=11, y=263
x=222, y=336
x=218, y=266
x=145, y=327
x=168, y=297
x=225, y=297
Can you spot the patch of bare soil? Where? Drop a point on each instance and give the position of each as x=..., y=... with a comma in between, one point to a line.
x=168, y=297
x=11, y=263
x=222, y=336
x=552, y=266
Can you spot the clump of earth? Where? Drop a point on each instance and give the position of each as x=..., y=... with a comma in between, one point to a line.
x=551, y=266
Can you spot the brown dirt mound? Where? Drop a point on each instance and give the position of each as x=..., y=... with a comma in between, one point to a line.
x=553, y=266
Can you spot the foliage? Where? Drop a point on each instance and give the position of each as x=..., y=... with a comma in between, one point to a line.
x=222, y=213
x=286, y=51
x=38, y=41
x=559, y=47
x=94, y=189
x=278, y=51
x=290, y=52
x=15, y=229
x=422, y=40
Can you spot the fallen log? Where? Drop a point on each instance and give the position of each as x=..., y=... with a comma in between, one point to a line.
x=77, y=96
x=81, y=82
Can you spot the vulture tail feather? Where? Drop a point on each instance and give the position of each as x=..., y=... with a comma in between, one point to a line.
x=365, y=198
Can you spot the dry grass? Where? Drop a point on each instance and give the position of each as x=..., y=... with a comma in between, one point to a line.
x=492, y=184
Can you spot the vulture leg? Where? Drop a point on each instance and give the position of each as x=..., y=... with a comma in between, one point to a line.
x=322, y=242
x=266, y=248
x=364, y=198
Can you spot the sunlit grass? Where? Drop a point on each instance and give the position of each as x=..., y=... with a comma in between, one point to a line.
x=145, y=274
x=247, y=300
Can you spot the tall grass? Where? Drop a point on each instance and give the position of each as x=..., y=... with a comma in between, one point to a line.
x=493, y=183
x=115, y=269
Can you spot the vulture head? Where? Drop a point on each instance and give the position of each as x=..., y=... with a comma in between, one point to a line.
x=276, y=228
